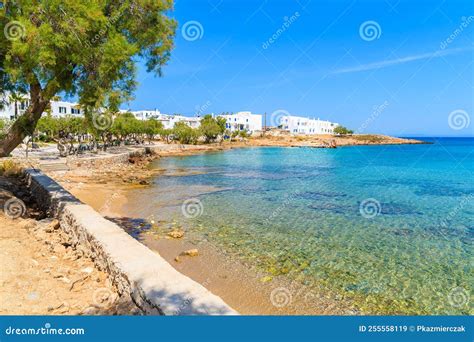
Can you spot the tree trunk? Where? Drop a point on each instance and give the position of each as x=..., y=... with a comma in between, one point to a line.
x=24, y=125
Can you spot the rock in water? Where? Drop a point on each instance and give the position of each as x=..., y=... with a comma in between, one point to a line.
x=191, y=252
x=176, y=234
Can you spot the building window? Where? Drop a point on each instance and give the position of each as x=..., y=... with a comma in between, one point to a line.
x=75, y=111
x=62, y=110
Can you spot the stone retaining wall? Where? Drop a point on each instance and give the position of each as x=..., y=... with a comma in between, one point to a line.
x=153, y=284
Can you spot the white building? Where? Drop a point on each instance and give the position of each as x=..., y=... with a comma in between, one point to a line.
x=301, y=125
x=193, y=122
x=10, y=109
x=243, y=121
x=63, y=108
x=57, y=108
x=145, y=114
x=167, y=120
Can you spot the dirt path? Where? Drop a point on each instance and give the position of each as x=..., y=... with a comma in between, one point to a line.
x=42, y=274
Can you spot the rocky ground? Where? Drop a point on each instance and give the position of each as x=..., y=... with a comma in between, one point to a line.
x=284, y=139
x=42, y=274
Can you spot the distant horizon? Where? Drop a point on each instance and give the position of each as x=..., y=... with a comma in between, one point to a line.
x=434, y=136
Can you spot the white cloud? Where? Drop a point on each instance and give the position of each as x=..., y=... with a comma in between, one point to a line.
x=390, y=62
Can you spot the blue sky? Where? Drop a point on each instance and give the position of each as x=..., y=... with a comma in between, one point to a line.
x=401, y=78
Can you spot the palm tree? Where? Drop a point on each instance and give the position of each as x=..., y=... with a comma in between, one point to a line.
x=15, y=98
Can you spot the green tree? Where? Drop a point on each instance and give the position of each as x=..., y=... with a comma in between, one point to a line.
x=100, y=127
x=3, y=124
x=185, y=134
x=83, y=48
x=243, y=134
x=166, y=134
x=342, y=130
x=211, y=127
x=125, y=125
x=152, y=127
x=48, y=127
x=16, y=97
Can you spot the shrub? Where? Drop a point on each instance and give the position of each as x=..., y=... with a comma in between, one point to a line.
x=211, y=127
x=185, y=134
x=342, y=130
x=9, y=168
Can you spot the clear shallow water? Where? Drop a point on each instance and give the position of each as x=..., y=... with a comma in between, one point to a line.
x=389, y=227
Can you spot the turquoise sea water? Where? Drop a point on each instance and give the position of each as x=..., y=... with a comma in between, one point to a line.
x=388, y=227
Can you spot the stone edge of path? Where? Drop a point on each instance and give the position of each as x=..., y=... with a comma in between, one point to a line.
x=152, y=283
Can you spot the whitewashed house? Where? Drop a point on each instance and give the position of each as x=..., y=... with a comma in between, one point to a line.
x=10, y=108
x=57, y=108
x=243, y=121
x=167, y=120
x=146, y=114
x=193, y=122
x=64, y=108
x=301, y=125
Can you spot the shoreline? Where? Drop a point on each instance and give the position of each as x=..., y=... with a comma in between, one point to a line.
x=105, y=188
x=244, y=288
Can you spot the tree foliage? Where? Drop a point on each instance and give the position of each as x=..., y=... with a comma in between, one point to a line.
x=123, y=128
x=342, y=130
x=185, y=134
x=211, y=127
x=81, y=48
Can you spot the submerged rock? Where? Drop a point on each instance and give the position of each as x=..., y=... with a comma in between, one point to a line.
x=191, y=252
x=176, y=234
